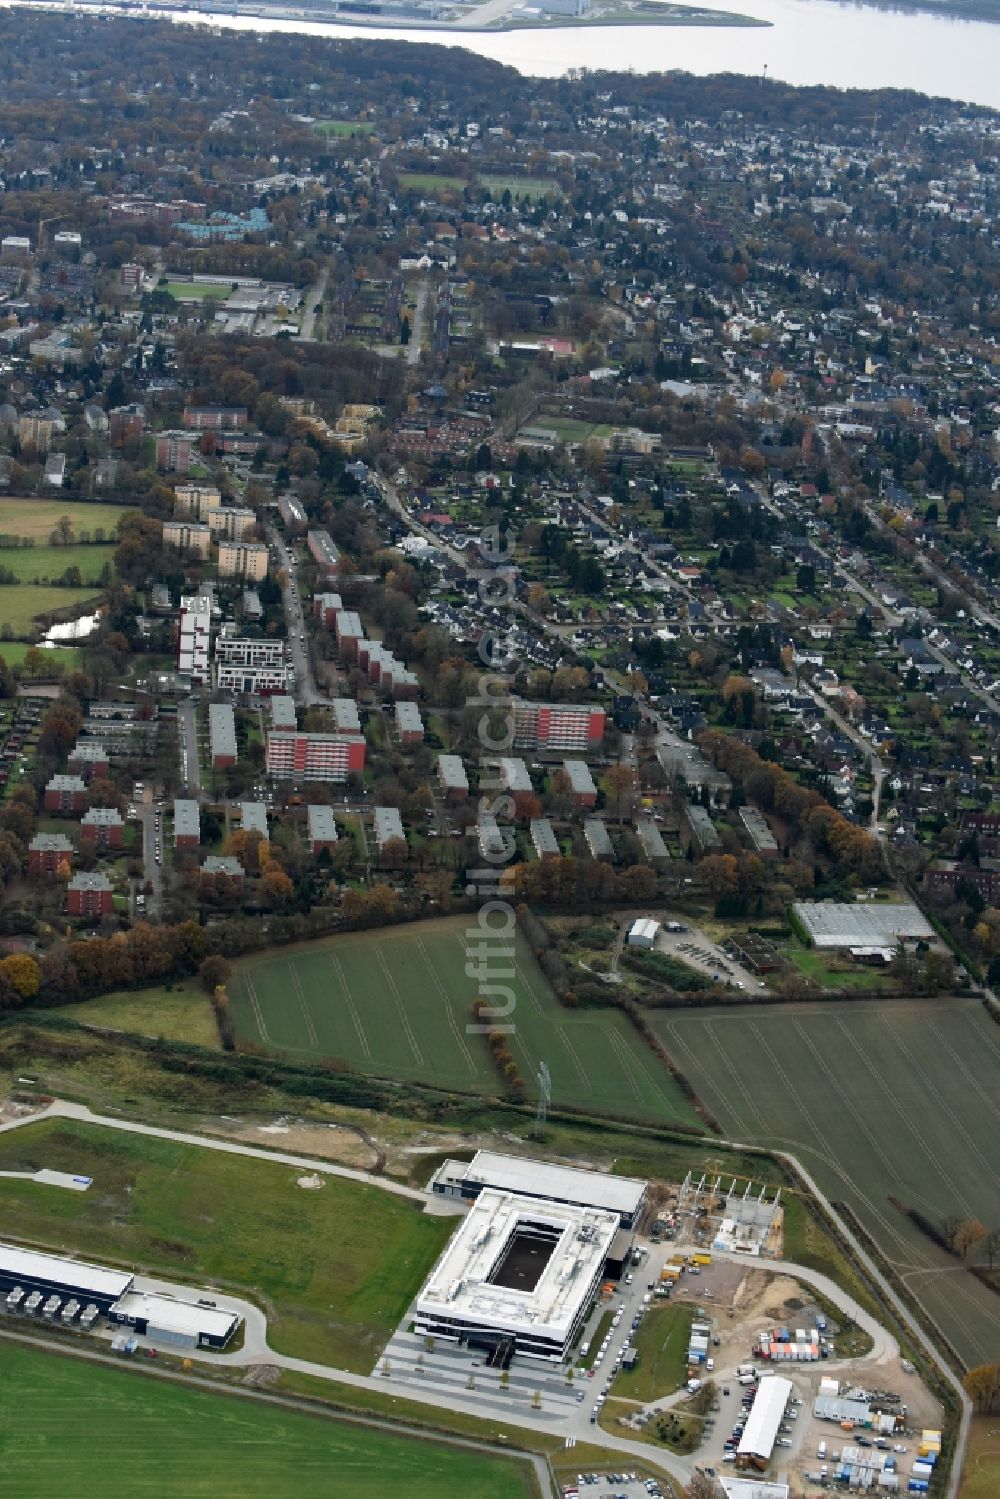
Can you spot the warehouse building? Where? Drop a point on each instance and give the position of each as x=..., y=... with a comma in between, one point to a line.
x=519, y=1274
x=570, y=1185
x=766, y=1415
x=181, y=1324
x=54, y=1275
x=643, y=933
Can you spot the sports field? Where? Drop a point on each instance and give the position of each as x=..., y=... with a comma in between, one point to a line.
x=335, y=1269
x=877, y=1099
x=79, y=1428
x=397, y=1003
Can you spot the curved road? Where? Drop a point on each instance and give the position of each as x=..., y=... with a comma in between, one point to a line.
x=256, y=1350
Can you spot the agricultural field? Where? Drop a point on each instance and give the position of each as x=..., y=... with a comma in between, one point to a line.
x=397, y=1003
x=896, y=1098
x=22, y=603
x=38, y=518
x=84, y=1428
x=335, y=1268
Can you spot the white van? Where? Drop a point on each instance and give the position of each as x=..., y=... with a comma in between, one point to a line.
x=584, y=1349
x=821, y=1451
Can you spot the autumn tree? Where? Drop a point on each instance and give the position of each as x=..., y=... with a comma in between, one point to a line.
x=213, y=973
x=982, y=1385
x=21, y=972
x=618, y=785
x=968, y=1233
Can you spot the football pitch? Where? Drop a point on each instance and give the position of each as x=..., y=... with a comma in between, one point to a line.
x=896, y=1098
x=398, y=1003
x=77, y=1427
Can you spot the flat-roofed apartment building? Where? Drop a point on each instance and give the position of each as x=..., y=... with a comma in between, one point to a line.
x=232, y=522
x=283, y=712
x=350, y=632
x=314, y=757
x=544, y=840
x=760, y=835
x=323, y=552
x=243, y=665
x=388, y=828
x=597, y=839
x=194, y=636
x=187, y=823
x=409, y=724
x=581, y=783
x=253, y=818
x=326, y=607
x=188, y=536
x=243, y=559
x=452, y=778
x=293, y=514
x=557, y=726
x=322, y=830
x=346, y=718
x=196, y=500
x=222, y=735
x=698, y=829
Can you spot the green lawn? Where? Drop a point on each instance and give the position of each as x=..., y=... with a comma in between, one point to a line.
x=981, y=1473
x=14, y=651
x=22, y=603
x=78, y=1428
x=37, y=518
x=335, y=1268
x=182, y=1013
x=661, y=1340
x=39, y=564
x=398, y=1003
x=879, y=1099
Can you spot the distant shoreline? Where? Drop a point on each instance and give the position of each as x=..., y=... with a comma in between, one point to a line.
x=673, y=16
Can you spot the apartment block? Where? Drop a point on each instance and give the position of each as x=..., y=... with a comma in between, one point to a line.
x=187, y=823
x=47, y=851
x=314, y=757
x=190, y=537
x=104, y=825
x=557, y=726
x=194, y=636
x=89, y=894
x=173, y=452
x=222, y=735
x=322, y=830
x=323, y=552
x=243, y=559
x=231, y=523
x=66, y=794
x=409, y=724
x=326, y=607
x=196, y=500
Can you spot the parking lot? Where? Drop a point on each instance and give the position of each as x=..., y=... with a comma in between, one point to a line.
x=696, y=949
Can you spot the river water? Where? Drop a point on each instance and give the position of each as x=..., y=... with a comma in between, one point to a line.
x=807, y=42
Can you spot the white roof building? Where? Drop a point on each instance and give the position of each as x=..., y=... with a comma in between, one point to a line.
x=761, y=1430
x=517, y=1268
x=572, y=1186
x=850, y=924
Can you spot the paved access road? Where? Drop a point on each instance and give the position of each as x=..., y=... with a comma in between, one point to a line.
x=565, y=1419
